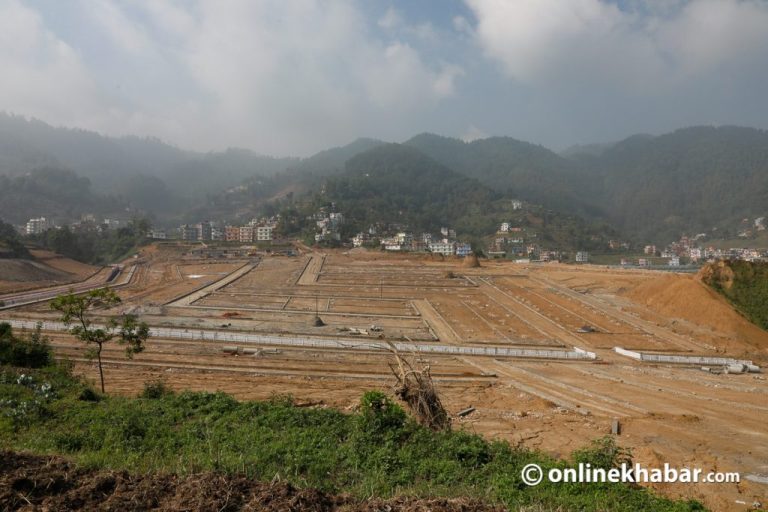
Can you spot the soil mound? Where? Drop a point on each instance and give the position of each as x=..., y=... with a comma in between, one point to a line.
x=30, y=482
x=686, y=297
x=471, y=261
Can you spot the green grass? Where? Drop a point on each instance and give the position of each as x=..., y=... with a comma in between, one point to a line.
x=378, y=451
x=745, y=285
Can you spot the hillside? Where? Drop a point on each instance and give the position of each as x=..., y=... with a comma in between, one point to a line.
x=11, y=245
x=744, y=284
x=119, y=165
x=691, y=180
x=524, y=170
x=54, y=193
x=398, y=185
x=699, y=179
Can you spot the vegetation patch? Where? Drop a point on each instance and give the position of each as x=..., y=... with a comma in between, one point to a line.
x=379, y=452
x=744, y=284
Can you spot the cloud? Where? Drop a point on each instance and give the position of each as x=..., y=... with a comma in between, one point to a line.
x=41, y=74
x=645, y=47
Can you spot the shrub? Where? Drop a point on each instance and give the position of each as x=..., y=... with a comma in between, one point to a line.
x=155, y=389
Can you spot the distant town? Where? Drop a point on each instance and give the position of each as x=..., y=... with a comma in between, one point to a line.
x=510, y=241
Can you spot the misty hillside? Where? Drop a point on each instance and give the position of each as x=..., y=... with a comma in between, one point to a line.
x=53, y=193
x=651, y=188
x=396, y=184
x=691, y=180
x=528, y=171
x=115, y=165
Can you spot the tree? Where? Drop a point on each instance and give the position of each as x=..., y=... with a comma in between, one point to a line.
x=77, y=311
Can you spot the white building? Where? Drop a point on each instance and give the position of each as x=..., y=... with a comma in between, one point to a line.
x=264, y=233
x=517, y=204
x=158, y=234
x=37, y=226
x=443, y=247
x=582, y=257
x=504, y=227
x=359, y=239
x=674, y=261
x=246, y=234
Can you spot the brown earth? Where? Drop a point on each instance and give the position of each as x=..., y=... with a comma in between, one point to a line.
x=31, y=483
x=669, y=413
x=686, y=297
x=46, y=269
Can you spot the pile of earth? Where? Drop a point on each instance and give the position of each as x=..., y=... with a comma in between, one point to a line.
x=31, y=482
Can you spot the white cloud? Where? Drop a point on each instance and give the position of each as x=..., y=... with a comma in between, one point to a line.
x=647, y=47
x=42, y=75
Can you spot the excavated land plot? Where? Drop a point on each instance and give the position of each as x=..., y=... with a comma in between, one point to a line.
x=673, y=414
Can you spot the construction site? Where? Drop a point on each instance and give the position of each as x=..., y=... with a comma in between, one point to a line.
x=549, y=356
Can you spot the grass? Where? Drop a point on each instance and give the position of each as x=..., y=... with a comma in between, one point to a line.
x=378, y=451
x=745, y=285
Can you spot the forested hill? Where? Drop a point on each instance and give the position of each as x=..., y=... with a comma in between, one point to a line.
x=53, y=193
x=651, y=188
x=525, y=170
x=691, y=180
x=395, y=183
x=398, y=185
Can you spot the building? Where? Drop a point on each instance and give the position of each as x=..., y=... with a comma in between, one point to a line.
x=443, y=247
x=232, y=233
x=463, y=249
x=264, y=233
x=644, y=262
x=649, y=249
x=187, y=232
x=204, y=230
x=246, y=234
x=582, y=257
x=359, y=239
x=674, y=261
x=504, y=227
x=517, y=204
x=157, y=234
x=37, y=226
x=217, y=234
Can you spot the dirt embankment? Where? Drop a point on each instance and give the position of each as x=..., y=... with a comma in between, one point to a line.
x=29, y=482
x=46, y=269
x=687, y=298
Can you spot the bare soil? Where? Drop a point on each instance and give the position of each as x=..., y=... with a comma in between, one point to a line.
x=31, y=483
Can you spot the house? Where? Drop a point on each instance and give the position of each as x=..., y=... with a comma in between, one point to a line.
x=187, y=232
x=157, y=234
x=582, y=257
x=246, y=234
x=644, y=262
x=517, y=204
x=443, y=247
x=359, y=239
x=232, y=233
x=504, y=227
x=674, y=261
x=264, y=233
x=463, y=249
x=203, y=230
x=37, y=226
x=650, y=249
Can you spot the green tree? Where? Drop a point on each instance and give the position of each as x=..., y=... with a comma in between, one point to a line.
x=77, y=312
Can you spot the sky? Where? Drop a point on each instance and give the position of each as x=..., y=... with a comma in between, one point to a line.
x=292, y=77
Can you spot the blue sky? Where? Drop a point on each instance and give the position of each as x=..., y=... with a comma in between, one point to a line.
x=287, y=77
